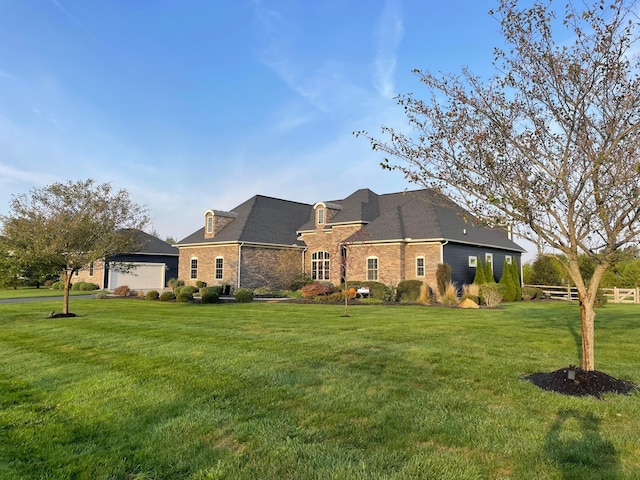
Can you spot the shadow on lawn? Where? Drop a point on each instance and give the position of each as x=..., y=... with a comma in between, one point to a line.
x=574, y=442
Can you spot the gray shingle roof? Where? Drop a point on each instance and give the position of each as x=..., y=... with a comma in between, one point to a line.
x=150, y=245
x=260, y=220
x=416, y=215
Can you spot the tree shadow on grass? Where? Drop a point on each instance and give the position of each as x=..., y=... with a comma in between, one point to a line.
x=575, y=444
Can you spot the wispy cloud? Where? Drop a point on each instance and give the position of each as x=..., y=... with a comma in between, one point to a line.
x=4, y=74
x=388, y=37
x=73, y=18
x=322, y=82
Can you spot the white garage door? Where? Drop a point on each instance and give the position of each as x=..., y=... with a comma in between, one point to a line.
x=144, y=277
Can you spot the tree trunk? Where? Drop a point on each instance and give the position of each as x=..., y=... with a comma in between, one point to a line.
x=587, y=317
x=67, y=287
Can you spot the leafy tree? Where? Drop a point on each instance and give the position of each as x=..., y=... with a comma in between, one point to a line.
x=549, y=144
x=546, y=270
x=66, y=226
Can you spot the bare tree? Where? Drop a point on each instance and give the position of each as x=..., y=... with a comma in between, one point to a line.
x=66, y=226
x=549, y=144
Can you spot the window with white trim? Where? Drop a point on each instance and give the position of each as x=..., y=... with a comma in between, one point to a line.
x=419, y=266
x=320, y=265
x=372, y=269
x=488, y=258
x=508, y=259
x=473, y=261
x=209, y=223
x=320, y=213
x=193, y=274
x=219, y=274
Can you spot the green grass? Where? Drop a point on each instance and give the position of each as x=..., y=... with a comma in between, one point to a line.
x=31, y=292
x=138, y=390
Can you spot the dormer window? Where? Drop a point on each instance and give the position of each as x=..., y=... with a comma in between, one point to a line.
x=320, y=216
x=210, y=224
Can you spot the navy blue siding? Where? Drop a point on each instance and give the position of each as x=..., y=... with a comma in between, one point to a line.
x=457, y=255
x=170, y=261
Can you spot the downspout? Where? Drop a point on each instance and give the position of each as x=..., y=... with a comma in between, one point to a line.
x=239, y=264
x=442, y=250
x=304, y=259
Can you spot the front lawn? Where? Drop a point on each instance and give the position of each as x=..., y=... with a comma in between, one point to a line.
x=134, y=390
x=31, y=292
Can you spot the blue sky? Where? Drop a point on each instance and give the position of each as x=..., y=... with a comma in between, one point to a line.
x=194, y=104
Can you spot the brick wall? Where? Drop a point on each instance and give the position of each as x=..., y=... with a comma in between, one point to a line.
x=206, y=256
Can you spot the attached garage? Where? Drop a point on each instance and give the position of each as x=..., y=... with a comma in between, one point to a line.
x=144, y=276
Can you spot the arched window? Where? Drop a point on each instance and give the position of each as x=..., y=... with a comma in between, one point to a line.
x=419, y=266
x=320, y=266
x=194, y=269
x=372, y=269
x=219, y=268
x=209, y=223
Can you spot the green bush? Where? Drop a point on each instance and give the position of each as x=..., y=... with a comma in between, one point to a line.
x=210, y=294
x=335, y=297
x=408, y=290
x=491, y=294
x=479, y=279
x=263, y=291
x=243, y=295
x=200, y=284
x=152, y=295
x=190, y=289
x=88, y=287
x=174, y=283
x=376, y=289
x=509, y=293
x=58, y=285
x=184, y=297
x=167, y=296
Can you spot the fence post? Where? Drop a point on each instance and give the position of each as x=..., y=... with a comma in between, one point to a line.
x=636, y=299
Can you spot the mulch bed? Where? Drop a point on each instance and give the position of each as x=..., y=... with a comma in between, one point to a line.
x=587, y=383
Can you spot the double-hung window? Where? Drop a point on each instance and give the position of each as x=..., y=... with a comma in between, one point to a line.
x=194, y=268
x=372, y=269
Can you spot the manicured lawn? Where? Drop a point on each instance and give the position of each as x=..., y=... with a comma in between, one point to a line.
x=147, y=390
x=29, y=292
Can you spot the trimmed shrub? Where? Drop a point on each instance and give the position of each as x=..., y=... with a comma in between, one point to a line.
x=263, y=291
x=184, y=297
x=408, y=290
x=167, y=296
x=58, y=285
x=335, y=297
x=174, y=282
x=122, y=291
x=315, y=289
x=200, y=284
x=210, y=294
x=491, y=294
x=243, y=295
x=152, y=295
x=190, y=289
x=376, y=289
x=443, y=277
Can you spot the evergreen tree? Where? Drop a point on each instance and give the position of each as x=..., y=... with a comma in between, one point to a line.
x=488, y=272
x=509, y=292
x=479, y=277
x=515, y=277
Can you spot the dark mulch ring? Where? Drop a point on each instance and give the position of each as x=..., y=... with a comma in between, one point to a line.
x=593, y=383
x=61, y=315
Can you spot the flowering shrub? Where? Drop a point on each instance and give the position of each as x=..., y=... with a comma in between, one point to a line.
x=315, y=289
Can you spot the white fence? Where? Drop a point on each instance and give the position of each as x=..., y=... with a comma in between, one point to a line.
x=614, y=295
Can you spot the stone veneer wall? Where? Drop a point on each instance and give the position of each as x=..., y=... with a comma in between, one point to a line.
x=269, y=267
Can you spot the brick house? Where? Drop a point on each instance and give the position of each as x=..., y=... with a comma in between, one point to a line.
x=386, y=238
